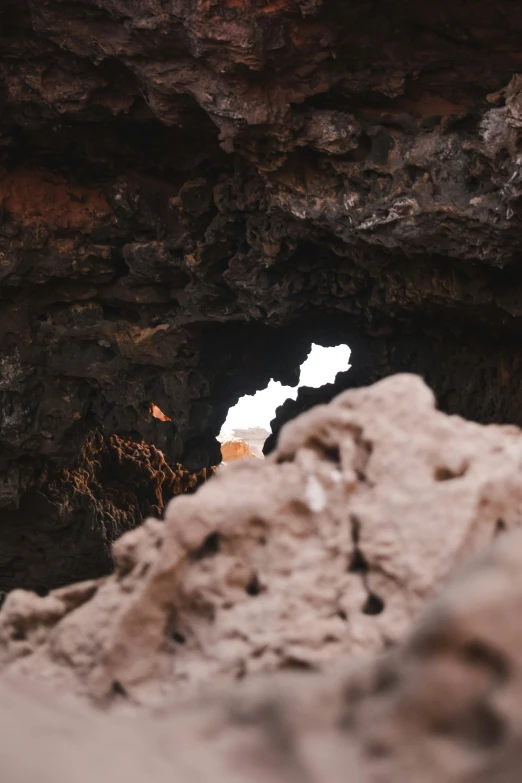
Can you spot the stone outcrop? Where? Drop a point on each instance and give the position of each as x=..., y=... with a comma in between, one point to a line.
x=254, y=436
x=363, y=502
x=235, y=448
x=193, y=192
x=327, y=549
x=443, y=708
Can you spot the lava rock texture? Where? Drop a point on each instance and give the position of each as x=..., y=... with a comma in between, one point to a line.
x=65, y=525
x=192, y=191
x=327, y=549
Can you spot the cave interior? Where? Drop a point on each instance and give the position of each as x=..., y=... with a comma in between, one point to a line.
x=191, y=193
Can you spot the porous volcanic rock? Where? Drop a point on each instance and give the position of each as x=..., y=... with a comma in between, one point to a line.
x=255, y=437
x=444, y=706
x=193, y=192
x=327, y=549
x=73, y=515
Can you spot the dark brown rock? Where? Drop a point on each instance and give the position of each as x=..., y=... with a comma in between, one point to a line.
x=73, y=515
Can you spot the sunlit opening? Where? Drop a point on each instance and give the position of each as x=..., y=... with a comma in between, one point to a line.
x=250, y=419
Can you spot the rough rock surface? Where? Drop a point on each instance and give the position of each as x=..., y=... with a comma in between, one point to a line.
x=236, y=448
x=255, y=437
x=443, y=706
x=192, y=192
x=327, y=549
x=307, y=397
x=72, y=515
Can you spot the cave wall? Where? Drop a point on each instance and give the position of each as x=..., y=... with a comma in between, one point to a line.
x=191, y=192
x=66, y=522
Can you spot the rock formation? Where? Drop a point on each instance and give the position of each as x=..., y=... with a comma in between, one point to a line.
x=254, y=436
x=235, y=448
x=442, y=708
x=328, y=548
x=73, y=515
x=193, y=192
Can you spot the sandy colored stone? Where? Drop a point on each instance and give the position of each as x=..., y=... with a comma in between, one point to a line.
x=325, y=551
x=443, y=707
x=236, y=448
x=446, y=705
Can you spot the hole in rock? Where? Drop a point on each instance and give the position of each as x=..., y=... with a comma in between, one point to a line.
x=373, y=605
x=444, y=473
x=208, y=548
x=249, y=422
x=118, y=689
x=500, y=527
x=297, y=664
x=254, y=587
x=358, y=563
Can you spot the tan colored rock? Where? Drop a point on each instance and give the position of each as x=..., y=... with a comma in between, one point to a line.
x=236, y=448
x=445, y=707
x=255, y=437
x=326, y=550
x=263, y=734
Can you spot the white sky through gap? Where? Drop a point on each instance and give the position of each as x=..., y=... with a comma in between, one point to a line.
x=258, y=410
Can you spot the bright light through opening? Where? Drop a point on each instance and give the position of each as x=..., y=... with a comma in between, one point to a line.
x=258, y=410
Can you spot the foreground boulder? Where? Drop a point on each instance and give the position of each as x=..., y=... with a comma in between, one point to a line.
x=326, y=550
x=444, y=707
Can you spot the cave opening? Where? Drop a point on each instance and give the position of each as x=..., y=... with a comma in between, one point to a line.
x=249, y=423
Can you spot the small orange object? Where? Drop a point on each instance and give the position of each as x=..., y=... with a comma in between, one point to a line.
x=157, y=413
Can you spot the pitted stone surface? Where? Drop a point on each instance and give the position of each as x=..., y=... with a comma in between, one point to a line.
x=326, y=550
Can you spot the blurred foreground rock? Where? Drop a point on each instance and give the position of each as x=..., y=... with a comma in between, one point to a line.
x=444, y=707
x=324, y=551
